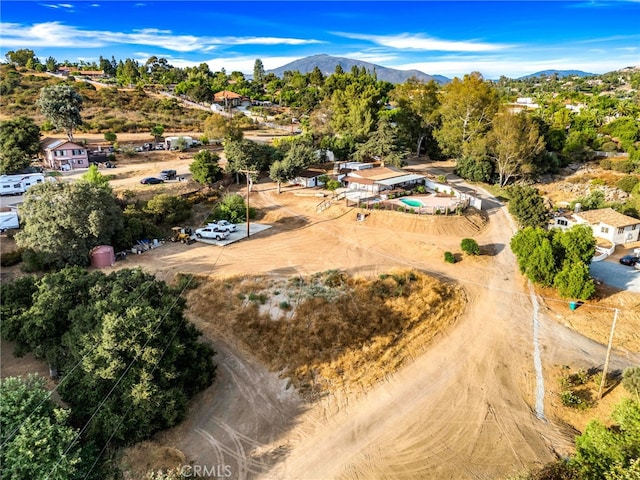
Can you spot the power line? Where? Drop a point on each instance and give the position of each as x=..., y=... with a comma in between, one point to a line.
x=59, y=384
x=151, y=336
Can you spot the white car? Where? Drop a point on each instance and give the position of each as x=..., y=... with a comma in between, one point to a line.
x=223, y=225
x=211, y=232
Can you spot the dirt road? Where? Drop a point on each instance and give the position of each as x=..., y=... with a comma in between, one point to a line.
x=466, y=408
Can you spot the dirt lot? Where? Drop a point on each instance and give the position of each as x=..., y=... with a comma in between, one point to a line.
x=467, y=407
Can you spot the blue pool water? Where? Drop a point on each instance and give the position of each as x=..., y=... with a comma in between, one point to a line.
x=412, y=203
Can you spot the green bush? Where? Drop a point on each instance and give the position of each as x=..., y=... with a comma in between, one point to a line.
x=470, y=246
x=441, y=179
x=606, y=164
x=627, y=183
x=8, y=259
x=449, y=257
x=570, y=399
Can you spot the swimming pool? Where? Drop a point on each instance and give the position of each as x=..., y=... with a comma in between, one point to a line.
x=412, y=203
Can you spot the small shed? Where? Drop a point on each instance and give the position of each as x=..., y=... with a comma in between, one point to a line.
x=102, y=256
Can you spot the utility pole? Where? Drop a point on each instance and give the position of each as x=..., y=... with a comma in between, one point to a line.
x=247, y=174
x=606, y=360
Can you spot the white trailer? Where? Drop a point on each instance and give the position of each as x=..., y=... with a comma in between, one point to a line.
x=171, y=143
x=18, y=184
x=8, y=220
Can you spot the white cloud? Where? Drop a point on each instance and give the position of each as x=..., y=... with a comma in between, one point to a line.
x=407, y=41
x=55, y=34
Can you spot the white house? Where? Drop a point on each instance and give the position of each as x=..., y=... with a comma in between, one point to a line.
x=309, y=178
x=605, y=223
x=375, y=180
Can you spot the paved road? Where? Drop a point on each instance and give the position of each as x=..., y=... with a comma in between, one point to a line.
x=616, y=275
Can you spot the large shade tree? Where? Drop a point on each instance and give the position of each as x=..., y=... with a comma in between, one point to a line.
x=514, y=143
x=36, y=436
x=467, y=108
x=63, y=221
x=19, y=142
x=418, y=106
x=61, y=105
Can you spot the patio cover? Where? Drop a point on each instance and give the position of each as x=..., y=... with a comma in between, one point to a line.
x=402, y=179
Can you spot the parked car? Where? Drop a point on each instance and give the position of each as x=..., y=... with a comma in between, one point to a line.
x=211, y=232
x=629, y=260
x=167, y=174
x=159, y=146
x=224, y=225
x=151, y=181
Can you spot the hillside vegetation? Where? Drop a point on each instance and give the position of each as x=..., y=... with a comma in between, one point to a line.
x=329, y=331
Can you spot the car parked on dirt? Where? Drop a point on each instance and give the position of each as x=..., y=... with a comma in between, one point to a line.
x=151, y=181
x=168, y=174
x=223, y=225
x=629, y=260
x=211, y=232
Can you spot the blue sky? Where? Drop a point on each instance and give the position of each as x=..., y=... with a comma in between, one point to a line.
x=450, y=38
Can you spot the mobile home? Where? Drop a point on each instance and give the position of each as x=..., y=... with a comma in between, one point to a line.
x=18, y=184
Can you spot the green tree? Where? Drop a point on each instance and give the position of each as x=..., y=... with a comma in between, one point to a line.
x=21, y=57
x=600, y=449
x=535, y=255
x=527, y=206
x=476, y=170
x=64, y=221
x=110, y=137
x=258, y=71
x=94, y=176
x=419, y=115
x=136, y=359
x=168, y=209
x=222, y=127
x=232, y=208
x=19, y=142
x=205, y=168
x=61, y=105
x=574, y=245
x=574, y=281
x=467, y=108
x=514, y=143
x=51, y=64
x=470, y=246
x=157, y=132
x=36, y=438
x=382, y=144
x=298, y=156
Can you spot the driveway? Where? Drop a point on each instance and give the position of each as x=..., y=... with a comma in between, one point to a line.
x=616, y=275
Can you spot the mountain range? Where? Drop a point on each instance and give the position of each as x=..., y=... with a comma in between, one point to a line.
x=327, y=65
x=560, y=73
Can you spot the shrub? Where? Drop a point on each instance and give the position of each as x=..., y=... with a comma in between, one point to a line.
x=284, y=305
x=631, y=380
x=421, y=189
x=470, y=246
x=570, y=399
x=627, y=183
x=606, y=164
x=8, y=259
x=625, y=166
x=441, y=179
x=449, y=257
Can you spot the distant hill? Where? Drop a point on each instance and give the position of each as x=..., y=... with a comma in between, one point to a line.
x=327, y=65
x=560, y=73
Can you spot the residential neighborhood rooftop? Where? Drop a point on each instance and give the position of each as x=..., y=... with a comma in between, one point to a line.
x=608, y=216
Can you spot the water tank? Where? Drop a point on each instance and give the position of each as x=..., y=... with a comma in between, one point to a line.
x=577, y=208
x=102, y=256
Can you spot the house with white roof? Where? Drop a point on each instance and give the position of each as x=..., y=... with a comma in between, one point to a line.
x=375, y=180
